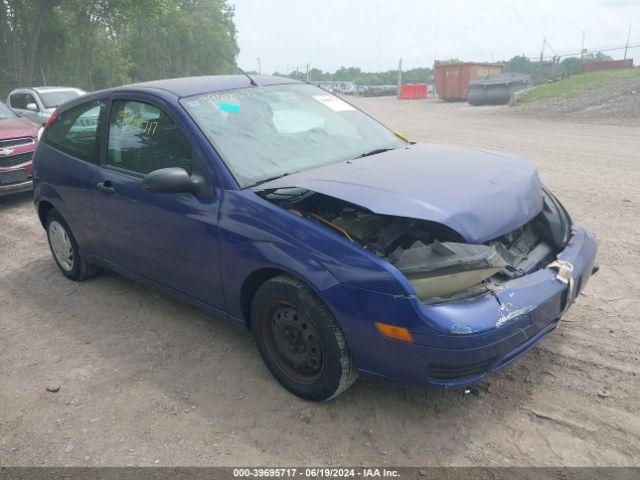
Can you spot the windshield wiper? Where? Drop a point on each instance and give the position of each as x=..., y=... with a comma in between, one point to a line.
x=375, y=151
x=275, y=177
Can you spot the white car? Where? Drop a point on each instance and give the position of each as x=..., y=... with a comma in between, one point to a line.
x=38, y=103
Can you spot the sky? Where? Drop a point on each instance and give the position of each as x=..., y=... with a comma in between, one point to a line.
x=374, y=34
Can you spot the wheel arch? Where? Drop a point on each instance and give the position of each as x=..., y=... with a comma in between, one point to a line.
x=315, y=275
x=251, y=285
x=44, y=207
x=259, y=277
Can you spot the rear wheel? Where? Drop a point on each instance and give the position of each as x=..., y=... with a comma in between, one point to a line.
x=300, y=341
x=65, y=249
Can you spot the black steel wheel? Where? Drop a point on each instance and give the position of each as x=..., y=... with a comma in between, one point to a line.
x=300, y=341
x=293, y=342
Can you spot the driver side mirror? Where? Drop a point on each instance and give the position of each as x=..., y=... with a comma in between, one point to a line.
x=172, y=180
x=32, y=106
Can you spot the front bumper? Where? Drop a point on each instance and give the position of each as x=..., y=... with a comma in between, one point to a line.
x=458, y=343
x=16, y=188
x=23, y=185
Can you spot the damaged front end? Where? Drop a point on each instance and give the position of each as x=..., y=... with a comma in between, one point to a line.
x=435, y=259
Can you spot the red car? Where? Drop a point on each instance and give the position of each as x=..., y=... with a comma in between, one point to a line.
x=18, y=141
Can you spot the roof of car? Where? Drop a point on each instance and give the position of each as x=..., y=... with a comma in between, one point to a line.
x=187, y=86
x=50, y=89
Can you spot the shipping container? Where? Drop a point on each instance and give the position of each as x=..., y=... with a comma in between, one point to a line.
x=452, y=79
x=413, y=91
x=610, y=65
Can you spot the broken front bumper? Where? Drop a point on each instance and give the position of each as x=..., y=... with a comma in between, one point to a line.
x=457, y=343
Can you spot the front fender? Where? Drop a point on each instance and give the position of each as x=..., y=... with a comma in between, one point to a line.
x=242, y=260
x=245, y=217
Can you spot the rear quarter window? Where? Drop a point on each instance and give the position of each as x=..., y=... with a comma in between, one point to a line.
x=77, y=132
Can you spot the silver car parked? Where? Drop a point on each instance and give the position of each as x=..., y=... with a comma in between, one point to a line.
x=38, y=103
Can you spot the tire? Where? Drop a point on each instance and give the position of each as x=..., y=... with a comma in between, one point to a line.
x=315, y=363
x=65, y=251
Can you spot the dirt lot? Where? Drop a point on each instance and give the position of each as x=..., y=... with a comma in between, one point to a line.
x=148, y=380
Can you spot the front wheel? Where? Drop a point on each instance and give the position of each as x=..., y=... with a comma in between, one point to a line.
x=300, y=341
x=65, y=249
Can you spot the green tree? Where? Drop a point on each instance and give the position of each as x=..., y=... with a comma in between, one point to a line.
x=570, y=66
x=519, y=64
x=597, y=57
x=99, y=43
x=356, y=75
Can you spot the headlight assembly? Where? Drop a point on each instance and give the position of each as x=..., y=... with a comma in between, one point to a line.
x=445, y=268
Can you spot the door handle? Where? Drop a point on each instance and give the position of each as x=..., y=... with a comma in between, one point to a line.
x=106, y=187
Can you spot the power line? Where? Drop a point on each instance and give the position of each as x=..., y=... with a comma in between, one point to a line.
x=575, y=54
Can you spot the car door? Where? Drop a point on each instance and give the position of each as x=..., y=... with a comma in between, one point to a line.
x=19, y=102
x=170, y=238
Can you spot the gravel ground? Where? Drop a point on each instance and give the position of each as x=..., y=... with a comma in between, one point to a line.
x=148, y=380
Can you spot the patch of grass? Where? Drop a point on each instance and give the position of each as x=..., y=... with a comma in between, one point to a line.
x=574, y=87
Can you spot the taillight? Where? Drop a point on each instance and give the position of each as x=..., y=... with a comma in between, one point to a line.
x=52, y=119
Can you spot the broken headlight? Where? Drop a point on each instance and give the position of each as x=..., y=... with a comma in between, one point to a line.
x=444, y=268
x=557, y=229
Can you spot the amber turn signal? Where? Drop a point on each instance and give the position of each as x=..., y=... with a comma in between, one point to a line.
x=397, y=333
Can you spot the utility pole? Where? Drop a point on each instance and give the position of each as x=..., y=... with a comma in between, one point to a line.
x=399, y=78
x=308, y=70
x=626, y=47
x=435, y=46
x=582, y=53
x=259, y=66
x=544, y=42
x=379, y=41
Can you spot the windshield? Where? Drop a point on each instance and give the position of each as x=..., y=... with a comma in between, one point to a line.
x=267, y=132
x=55, y=98
x=5, y=112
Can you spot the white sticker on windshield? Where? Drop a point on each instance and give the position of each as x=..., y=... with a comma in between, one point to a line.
x=334, y=103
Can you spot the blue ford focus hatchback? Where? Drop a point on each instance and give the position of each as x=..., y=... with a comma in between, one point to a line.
x=343, y=247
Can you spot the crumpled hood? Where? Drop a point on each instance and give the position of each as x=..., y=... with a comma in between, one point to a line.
x=480, y=194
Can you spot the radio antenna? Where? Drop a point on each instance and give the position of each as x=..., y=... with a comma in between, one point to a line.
x=251, y=80
x=232, y=62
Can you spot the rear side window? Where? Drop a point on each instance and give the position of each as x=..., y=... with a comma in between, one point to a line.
x=76, y=132
x=143, y=138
